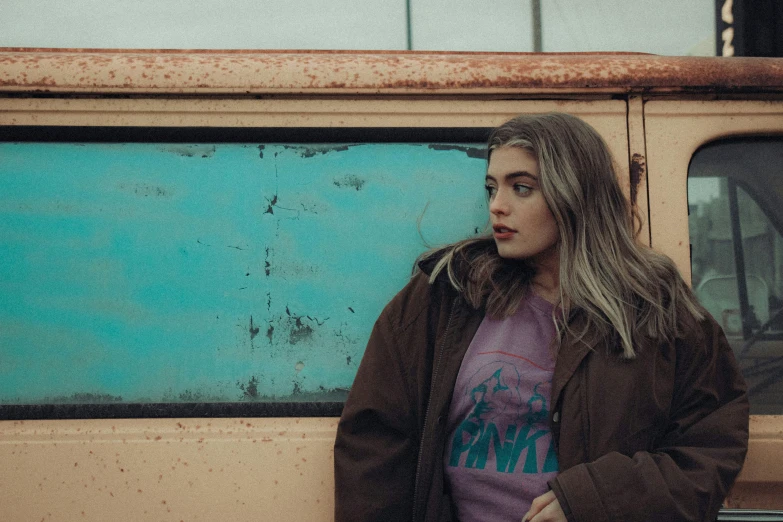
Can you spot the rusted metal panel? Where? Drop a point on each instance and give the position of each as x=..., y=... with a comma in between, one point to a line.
x=154, y=273
x=172, y=469
x=344, y=72
x=675, y=129
x=759, y=484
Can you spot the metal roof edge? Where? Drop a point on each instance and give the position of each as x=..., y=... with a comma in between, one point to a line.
x=245, y=72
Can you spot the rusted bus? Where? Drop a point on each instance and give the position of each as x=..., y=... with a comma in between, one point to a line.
x=654, y=112
x=84, y=71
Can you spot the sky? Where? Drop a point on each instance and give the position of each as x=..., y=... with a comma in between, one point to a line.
x=667, y=27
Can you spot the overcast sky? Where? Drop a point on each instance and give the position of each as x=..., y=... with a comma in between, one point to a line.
x=670, y=27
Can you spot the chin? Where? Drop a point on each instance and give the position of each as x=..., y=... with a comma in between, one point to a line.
x=509, y=253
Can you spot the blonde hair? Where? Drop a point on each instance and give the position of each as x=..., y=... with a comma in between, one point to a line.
x=622, y=290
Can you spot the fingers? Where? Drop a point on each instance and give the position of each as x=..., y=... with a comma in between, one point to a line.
x=551, y=513
x=538, y=504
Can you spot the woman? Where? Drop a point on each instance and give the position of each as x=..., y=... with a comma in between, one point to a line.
x=554, y=371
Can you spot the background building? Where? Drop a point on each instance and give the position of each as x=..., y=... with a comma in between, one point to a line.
x=668, y=27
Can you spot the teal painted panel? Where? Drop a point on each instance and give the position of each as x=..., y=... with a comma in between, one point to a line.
x=226, y=272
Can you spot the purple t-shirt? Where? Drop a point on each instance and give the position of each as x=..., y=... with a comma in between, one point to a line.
x=499, y=451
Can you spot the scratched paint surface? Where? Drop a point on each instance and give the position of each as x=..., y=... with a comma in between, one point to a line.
x=227, y=272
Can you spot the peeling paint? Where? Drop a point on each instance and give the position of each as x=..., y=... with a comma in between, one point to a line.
x=253, y=330
x=309, y=151
x=271, y=208
x=299, y=332
x=190, y=151
x=472, y=152
x=249, y=390
x=83, y=398
x=267, y=264
x=146, y=190
x=350, y=181
x=270, y=333
x=196, y=396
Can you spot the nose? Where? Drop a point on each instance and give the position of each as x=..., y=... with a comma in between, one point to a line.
x=498, y=205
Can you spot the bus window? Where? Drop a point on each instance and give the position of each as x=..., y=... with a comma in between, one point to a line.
x=212, y=273
x=735, y=201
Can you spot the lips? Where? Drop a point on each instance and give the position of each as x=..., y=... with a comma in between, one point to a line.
x=501, y=231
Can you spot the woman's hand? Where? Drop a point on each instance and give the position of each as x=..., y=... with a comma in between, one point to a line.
x=545, y=508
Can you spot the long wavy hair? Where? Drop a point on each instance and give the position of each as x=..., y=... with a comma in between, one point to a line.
x=621, y=289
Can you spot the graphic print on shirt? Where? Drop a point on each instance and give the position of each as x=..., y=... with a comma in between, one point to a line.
x=507, y=423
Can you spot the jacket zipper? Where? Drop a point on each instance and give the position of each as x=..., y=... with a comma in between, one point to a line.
x=416, y=488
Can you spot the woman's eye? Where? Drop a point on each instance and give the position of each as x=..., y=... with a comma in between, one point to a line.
x=522, y=190
x=490, y=190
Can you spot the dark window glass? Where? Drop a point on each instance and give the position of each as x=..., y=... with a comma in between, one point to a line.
x=735, y=198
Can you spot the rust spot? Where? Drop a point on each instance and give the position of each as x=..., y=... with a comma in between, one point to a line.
x=638, y=170
x=251, y=73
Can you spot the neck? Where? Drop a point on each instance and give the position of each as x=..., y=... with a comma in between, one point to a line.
x=546, y=289
x=546, y=282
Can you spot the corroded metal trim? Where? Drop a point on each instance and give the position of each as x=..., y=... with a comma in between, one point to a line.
x=170, y=410
x=100, y=71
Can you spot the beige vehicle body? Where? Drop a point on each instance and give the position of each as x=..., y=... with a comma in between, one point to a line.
x=654, y=112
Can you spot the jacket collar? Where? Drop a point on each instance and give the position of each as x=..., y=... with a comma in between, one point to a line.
x=571, y=354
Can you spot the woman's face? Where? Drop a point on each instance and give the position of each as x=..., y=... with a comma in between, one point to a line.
x=523, y=225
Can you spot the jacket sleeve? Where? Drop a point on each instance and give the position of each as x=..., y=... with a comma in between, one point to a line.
x=693, y=463
x=377, y=443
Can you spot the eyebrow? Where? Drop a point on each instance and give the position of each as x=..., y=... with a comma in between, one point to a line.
x=513, y=175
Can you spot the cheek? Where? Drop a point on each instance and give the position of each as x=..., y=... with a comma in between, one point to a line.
x=545, y=222
x=554, y=232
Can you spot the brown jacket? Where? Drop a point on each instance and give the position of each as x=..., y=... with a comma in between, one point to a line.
x=658, y=438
